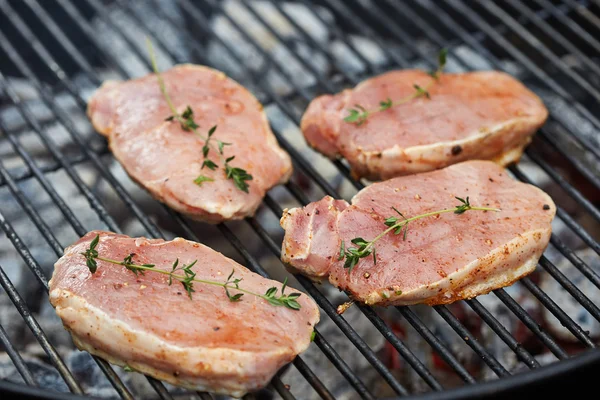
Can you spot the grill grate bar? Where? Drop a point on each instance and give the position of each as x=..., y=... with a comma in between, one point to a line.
x=471, y=341
x=506, y=336
x=436, y=344
x=51, y=167
x=538, y=72
x=402, y=349
x=520, y=312
x=575, y=260
x=570, y=23
x=558, y=312
x=556, y=36
x=36, y=329
x=16, y=358
x=585, y=13
x=570, y=287
x=514, y=26
x=564, y=184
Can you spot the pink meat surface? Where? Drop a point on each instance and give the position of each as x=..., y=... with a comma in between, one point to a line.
x=204, y=343
x=444, y=258
x=165, y=159
x=478, y=115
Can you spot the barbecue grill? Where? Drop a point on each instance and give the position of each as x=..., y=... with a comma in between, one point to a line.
x=58, y=180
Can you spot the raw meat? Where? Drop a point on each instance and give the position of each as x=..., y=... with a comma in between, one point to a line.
x=204, y=343
x=165, y=159
x=444, y=258
x=477, y=115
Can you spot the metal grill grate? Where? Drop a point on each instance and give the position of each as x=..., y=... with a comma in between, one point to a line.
x=57, y=51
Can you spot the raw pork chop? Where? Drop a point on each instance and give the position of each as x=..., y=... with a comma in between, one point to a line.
x=165, y=159
x=444, y=258
x=206, y=343
x=478, y=115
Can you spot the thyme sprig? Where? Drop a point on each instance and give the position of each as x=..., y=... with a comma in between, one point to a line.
x=359, y=114
x=398, y=225
x=188, y=278
x=239, y=176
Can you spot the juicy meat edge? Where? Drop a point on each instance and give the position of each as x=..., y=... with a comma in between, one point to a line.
x=228, y=212
x=323, y=119
x=197, y=368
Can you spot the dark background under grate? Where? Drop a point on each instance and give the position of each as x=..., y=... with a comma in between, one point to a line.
x=58, y=180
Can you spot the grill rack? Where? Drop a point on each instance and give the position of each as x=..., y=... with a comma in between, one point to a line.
x=504, y=22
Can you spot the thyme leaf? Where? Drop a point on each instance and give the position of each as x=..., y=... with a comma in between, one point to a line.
x=397, y=225
x=188, y=124
x=184, y=274
x=201, y=179
x=359, y=114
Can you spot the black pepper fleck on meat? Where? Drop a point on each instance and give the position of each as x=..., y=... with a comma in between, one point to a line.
x=456, y=150
x=546, y=207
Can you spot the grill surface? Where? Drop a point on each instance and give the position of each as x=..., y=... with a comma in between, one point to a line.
x=60, y=173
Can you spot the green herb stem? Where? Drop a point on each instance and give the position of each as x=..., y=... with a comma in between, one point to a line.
x=239, y=176
x=359, y=114
x=396, y=225
x=187, y=280
x=163, y=89
x=429, y=214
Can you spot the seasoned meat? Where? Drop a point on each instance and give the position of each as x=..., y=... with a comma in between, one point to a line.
x=204, y=343
x=444, y=258
x=478, y=115
x=165, y=159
